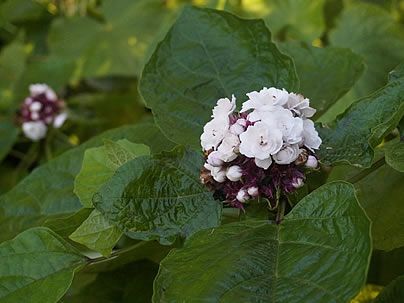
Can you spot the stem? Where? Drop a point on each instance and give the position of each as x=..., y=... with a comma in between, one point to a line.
x=364, y=173
x=281, y=211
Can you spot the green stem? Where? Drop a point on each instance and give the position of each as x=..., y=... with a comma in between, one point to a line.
x=364, y=173
x=281, y=211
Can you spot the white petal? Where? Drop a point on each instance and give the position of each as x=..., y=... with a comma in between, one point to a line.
x=34, y=130
x=234, y=173
x=59, y=120
x=263, y=163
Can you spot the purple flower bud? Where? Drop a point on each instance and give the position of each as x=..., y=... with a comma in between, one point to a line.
x=311, y=162
x=297, y=183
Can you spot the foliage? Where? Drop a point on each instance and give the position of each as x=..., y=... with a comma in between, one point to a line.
x=124, y=217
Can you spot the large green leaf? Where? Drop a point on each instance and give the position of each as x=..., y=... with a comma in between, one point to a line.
x=374, y=34
x=381, y=195
x=325, y=74
x=159, y=197
x=208, y=55
x=118, y=46
x=37, y=266
x=355, y=133
x=100, y=163
x=393, y=293
x=307, y=258
x=48, y=191
x=8, y=136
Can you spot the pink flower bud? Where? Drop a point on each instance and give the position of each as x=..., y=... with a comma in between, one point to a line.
x=311, y=162
x=253, y=191
x=242, y=196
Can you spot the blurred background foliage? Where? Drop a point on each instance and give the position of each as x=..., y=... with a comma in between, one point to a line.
x=92, y=53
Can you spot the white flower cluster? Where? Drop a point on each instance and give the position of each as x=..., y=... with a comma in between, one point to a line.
x=272, y=126
x=41, y=110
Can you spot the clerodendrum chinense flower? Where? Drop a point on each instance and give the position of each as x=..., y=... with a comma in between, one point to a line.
x=261, y=151
x=41, y=110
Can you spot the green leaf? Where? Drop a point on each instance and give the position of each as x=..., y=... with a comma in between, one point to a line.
x=355, y=133
x=306, y=258
x=393, y=293
x=65, y=225
x=8, y=136
x=208, y=55
x=47, y=193
x=287, y=19
x=118, y=46
x=375, y=35
x=300, y=20
x=128, y=284
x=395, y=155
x=326, y=74
x=38, y=266
x=380, y=194
x=159, y=198
x=97, y=234
x=12, y=64
x=100, y=163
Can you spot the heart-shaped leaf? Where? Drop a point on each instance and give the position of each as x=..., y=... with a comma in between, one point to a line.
x=355, y=133
x=100, y=163
x=47, y=193
x=159, y=197
x=307, y=258
x=208, y=55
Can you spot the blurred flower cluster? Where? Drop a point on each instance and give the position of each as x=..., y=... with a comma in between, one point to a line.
x=261, y=151
x=41, y=110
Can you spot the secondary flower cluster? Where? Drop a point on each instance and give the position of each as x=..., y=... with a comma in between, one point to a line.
x=41, y=110
x=262, y=150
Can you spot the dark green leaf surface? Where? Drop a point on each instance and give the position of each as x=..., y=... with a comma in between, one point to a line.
x=65, y=225
x=307, y=258
x=208, y=55
x=374, y=34
x=159, y=198
x=8, y=136
x=97, y=234
x=395, y=155
x=37, y=267
x=355, y=133
x=100, y=163
x=393, y=293
x=381, y=195
x=325, y=74
x=132, y=283
x=48, y=191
